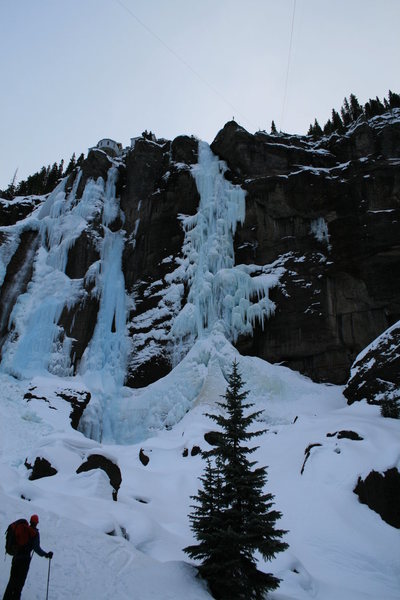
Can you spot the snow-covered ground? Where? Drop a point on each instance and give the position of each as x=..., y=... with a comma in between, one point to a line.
x=338, y=548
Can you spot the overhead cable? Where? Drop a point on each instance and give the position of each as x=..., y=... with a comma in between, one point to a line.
x=182, y=60
x=288, y=67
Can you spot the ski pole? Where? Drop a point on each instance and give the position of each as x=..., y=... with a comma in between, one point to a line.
x=48, y=580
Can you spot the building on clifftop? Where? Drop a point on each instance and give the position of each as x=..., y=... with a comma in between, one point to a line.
x=107, y=145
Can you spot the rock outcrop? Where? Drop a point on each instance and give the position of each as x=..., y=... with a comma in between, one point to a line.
x=97, y=461
x=375, y=375
x=381, y=492
x=40, y=468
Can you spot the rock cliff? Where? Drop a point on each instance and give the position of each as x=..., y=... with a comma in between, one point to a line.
x=326, y=213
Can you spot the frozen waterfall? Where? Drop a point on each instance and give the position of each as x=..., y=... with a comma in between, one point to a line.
x=104, y=361
x=222, y=295
x=225, y=300
x=38, y=344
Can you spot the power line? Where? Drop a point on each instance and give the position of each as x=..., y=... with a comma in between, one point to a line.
x=288, y=66
x=184, y=62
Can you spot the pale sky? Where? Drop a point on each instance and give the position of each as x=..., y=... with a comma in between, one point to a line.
x=75, y=71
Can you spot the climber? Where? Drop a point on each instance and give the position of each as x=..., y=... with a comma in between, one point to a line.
x=24, y=540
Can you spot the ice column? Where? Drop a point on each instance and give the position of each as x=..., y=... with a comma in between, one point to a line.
x=221, y=295
x=104, y=361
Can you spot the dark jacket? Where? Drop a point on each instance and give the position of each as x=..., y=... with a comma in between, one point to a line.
x=36, y=543
x=32, y=546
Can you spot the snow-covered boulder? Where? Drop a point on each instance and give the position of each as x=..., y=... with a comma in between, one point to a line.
x=375, y=374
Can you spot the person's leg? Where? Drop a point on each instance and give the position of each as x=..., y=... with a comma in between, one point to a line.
x=9, y=593
x=19, y=571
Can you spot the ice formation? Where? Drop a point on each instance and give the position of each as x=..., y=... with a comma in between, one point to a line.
x=37, y=344
x=222, y=295
x=224, y=301
x=319, y=229
x=104, y=361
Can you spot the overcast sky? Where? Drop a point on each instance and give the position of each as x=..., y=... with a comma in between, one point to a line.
x=74, y=71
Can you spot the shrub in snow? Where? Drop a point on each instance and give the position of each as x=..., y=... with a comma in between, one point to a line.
x=233, y=517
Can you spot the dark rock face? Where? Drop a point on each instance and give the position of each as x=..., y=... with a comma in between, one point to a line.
x=375, y=375
x=156, y=229
x=97, y=461
x=15, y=210
x=82, y=255
x=96, y=165
x=41, y=468
x=184, y=150
x=381, y=492
x=263, y=155
x=329, y=214
x=18, y=274
x=157, y=191
x=78, y=322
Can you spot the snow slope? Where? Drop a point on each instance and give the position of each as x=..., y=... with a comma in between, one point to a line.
x=339, y=548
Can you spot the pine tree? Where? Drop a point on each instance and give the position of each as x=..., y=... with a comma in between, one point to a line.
x=316, y=130
x=374, y=108
x=328, y=127
x=204, y=520
x=22, y=189
x=355, y=108
x=394, y=99
x=337, y=122
x=346, y=113
x=273, y=128
x=52, y=178
x=234, y=518
x=71, y=165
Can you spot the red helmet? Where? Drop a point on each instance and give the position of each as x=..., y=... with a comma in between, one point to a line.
x=34, y=520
